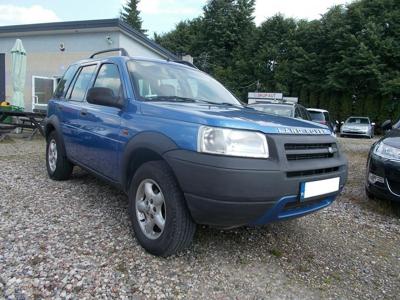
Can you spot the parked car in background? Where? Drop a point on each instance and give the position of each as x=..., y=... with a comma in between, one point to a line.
x=283, y=109
x=185, y=150
x=322, y=116
x=383, y=167
x=358, y=126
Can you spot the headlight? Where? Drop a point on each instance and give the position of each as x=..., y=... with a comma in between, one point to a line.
x=386, y=151
x=232, y=142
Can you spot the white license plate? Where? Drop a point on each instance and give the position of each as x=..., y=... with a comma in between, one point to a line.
x=318, y=188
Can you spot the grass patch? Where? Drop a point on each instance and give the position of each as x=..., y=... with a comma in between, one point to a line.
x=276, y=252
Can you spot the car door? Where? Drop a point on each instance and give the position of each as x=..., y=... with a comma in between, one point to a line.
x=70, y=108
x=99, y=126
x=67, y=107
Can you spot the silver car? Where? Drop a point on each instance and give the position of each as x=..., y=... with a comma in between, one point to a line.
x=358, y=126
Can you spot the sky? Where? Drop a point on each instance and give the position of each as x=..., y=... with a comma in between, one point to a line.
x=158, y=15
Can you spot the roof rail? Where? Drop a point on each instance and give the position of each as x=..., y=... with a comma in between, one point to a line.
x=184, y=62
x=122, y=50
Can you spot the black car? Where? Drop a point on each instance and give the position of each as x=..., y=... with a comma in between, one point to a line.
x=383, y=168
x=283, y=109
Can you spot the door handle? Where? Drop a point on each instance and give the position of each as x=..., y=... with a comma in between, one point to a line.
x=83, y=112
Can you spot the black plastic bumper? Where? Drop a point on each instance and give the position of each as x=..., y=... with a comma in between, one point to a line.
x=390, y=171
x=229, y=191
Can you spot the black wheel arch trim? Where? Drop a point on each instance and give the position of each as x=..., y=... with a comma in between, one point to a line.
x=54, y=122
x=149, y=140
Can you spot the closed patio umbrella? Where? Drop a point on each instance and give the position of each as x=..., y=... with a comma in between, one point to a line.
x=18, y=73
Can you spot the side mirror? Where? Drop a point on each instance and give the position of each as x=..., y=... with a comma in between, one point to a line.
x=342, y=122
x=337, y=122
x=103, y=96
x=373, y=124
x=387, y=125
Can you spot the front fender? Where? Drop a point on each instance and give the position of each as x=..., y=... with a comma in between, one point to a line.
x=152, y=141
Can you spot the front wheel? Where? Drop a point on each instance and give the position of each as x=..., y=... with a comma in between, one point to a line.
x=58, y=165
x=158, y=212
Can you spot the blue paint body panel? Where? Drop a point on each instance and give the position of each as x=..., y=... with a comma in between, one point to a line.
x=99, y=137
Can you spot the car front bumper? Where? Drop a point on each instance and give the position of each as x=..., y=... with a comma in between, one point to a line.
x=230, y=191
x=389, y=172
x=355, y=133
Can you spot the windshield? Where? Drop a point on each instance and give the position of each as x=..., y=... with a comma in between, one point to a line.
x=275, y=109
x=317, y=116
x=155, y=81
x=363, y=121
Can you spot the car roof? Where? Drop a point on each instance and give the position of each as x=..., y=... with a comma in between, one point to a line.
x=317, y=110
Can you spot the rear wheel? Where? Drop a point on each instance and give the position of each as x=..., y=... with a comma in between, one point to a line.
x=58, y=165
x=160, y=219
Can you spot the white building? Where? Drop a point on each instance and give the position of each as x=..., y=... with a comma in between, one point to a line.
x=51, y=47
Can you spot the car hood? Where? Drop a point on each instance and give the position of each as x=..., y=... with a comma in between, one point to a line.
x=392, y=138
x=231, y=117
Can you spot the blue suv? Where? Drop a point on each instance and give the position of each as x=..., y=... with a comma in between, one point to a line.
x=185, y=150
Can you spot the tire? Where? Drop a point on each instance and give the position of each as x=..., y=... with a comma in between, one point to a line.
x=155, y=180
x=58, y=165
x=369, y=194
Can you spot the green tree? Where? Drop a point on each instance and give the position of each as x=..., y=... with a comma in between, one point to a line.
x=347, y=61
x=131, y=15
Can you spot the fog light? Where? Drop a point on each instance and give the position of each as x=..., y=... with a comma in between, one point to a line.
x=372, y=178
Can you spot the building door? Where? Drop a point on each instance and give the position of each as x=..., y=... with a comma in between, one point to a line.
x=42, y=91
x=2, y=77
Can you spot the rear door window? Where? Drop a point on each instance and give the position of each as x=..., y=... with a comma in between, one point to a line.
x=65, y=82
x=82, y=83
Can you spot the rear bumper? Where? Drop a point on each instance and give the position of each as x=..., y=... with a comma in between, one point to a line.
x=227, y=192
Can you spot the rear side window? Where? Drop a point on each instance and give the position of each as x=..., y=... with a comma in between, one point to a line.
x=326, y=116
x=82, y=83
x=108, y=77
x=297, y=113
x=65, y=82
x=304, y=114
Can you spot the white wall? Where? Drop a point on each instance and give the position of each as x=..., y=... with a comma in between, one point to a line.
x=135, y=48
x=44, y=57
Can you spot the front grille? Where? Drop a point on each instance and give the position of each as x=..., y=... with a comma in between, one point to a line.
x=310, y=151
x=299, y=205
x=353, y=132
x=311, y=172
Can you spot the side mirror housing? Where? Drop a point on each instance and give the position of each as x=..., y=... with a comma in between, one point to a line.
x=373, y=124
x=387, y=125
x=103, y=96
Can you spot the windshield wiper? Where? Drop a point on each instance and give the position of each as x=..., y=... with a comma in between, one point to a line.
x=187, y=99
x=170, y=98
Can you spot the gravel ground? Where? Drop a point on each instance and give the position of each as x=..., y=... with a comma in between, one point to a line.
x=73, y=240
